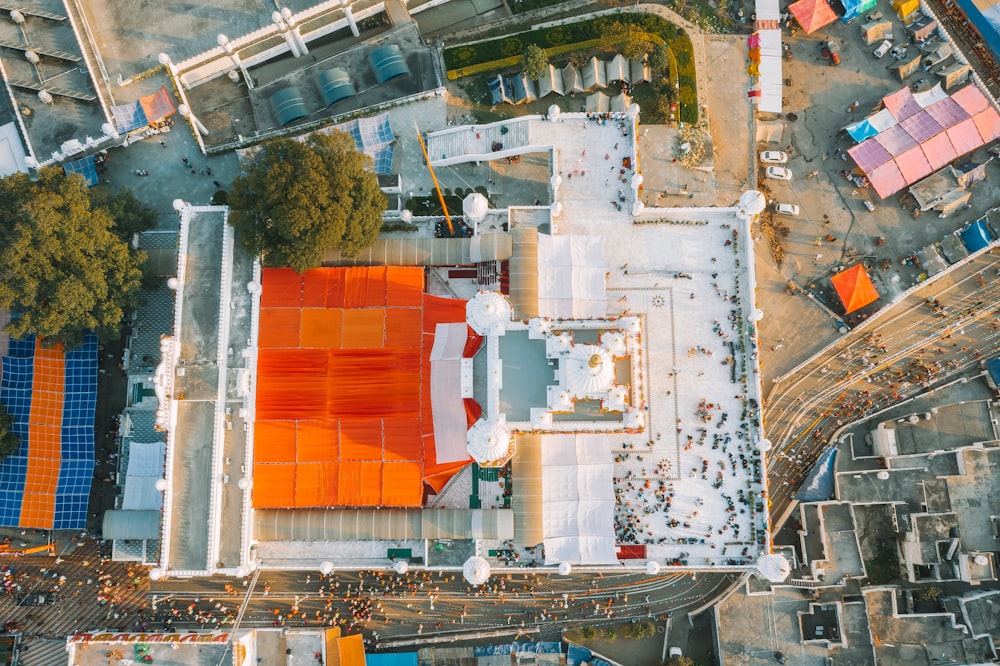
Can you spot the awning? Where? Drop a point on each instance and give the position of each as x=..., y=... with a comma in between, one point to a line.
x=132, y=525
x=855, y=288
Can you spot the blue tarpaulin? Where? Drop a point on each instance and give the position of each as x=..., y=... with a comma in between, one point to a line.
x=975, y=236
x=392, y=659
x=85, y=167
x=537, y=647
x=818, y=485
x=861, y=130
x=853, y=8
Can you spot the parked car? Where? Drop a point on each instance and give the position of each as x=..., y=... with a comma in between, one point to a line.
x=778, y=173
x=787, y=209
x=773, y=157
x=675, y=652
x=882, y=49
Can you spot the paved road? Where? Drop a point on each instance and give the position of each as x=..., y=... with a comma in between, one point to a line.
x=421, y=603
x=907, y=349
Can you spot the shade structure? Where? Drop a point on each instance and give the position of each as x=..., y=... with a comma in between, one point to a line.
x=812, y=14
x=288, y=105
x=335, y=84
x=51, y=395
x=855, y=288
x=345, y=408
x=476, y=570
x=388, y=62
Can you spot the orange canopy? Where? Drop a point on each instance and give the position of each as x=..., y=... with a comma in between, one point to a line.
x=343, y=414
x=855, y=288
x=812, y=14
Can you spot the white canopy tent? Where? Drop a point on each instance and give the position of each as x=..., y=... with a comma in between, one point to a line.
x=145, y=468
x=571, y=277
x=447, y=406
x=578, y=500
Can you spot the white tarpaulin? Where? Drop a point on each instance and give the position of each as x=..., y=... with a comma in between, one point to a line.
x=578, y=500
x=571, y=277
x=447, y=406
x=770, y=81
x=145, y=468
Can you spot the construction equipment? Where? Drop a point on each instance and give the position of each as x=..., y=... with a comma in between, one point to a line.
x=437, y=187
x=5, y=549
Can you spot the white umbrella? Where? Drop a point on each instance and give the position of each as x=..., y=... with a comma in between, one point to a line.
x=565, y=568
x=652, y=568
x=476, y=570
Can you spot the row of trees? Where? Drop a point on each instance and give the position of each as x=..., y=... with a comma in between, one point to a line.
x=629, y=39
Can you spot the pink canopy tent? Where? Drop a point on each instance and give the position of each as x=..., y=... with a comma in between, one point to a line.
x=812, y=14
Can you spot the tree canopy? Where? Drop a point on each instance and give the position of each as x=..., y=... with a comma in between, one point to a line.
x=534, y=61
x=629, y=39
x=296, y=200
x=66, y=268
x=129, y=215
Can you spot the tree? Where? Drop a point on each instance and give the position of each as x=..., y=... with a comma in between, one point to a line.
x=611, y=634
x=66, y=269
x=534, y=61
x=129, y=215
x=641, y=630
x=589, y=632
x=629, y=39
x=9, y=442
x=659, y=59
x=296, y=200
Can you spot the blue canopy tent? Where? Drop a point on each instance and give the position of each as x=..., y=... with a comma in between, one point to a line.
x=861, y=130
x=818, y=485
x=498, y=90
x=976, y=236
x=993, y=367
x=854, y=8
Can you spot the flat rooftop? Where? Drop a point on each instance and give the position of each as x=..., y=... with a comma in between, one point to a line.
x=203, y=381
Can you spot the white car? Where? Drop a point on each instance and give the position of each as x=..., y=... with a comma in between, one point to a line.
x=778, y=173
x=882, y=49
x=787, y=209
x=773, y=157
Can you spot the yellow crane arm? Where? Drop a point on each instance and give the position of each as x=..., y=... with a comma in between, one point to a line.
x=437, y=187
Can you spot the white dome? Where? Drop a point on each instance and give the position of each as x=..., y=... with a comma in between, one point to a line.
x=614, y=342
x=556, y=182
x=488, y=312
x=589, y=369
x=636, y=181
x=475, y=206
x=476, y=570
x=401, y=567
x=557, y=209
x=773, y=567
x=652, y=568
x=488, y=441
x=883, y=475
x=565, y=568
x=326, y=568
x=554, y=112
x=161, y=485
x=981, y=560
x=751, y=204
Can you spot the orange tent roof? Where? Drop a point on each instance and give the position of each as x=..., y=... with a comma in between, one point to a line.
x=855, y=288
x=812, y=14
x=343, y=414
